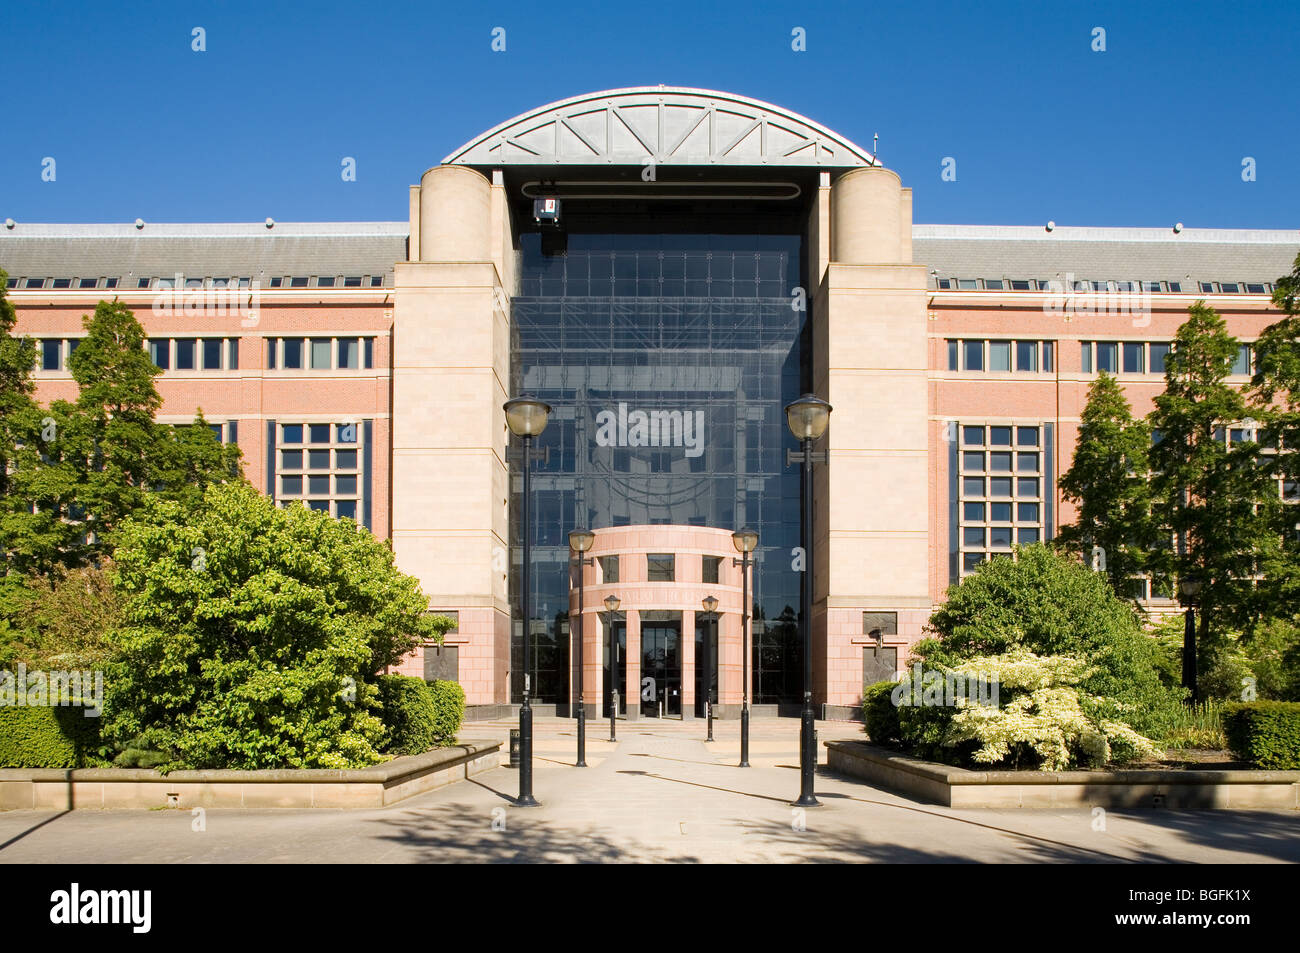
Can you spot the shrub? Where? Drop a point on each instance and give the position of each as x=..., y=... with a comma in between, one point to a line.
x=1049, y=604
x=1267, y=734
x=48, y=737
x=880, y=714
x=1197, y=726
x=253, y=634
x=408, y=712
x=449, y=711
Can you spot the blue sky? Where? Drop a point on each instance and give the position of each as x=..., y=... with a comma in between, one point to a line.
x=1149, y=132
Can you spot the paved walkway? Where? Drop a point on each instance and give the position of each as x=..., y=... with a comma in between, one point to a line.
x=661, y=794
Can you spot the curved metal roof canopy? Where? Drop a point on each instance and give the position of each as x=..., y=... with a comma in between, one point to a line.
x=667, y=125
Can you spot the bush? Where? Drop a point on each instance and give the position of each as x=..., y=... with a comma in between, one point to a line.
x=48, y=737
x=409, y=714
x=449, y=711
x=880, y=714
x=1049, y=604
x=253, y=635
x=1197, y=726
x=1267, y=734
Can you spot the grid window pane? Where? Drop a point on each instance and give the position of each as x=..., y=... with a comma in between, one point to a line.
x=1000, y=436
x=345, y=459
x=1027, y=535
x=291, y=433
x=318, y=459
x=973, y=353
x=1027, y=436
x=1000, y=461
x=1027, y=512
x=999, y=355
x=1000, y=512
x=293, y=353
x=185, y=354
x=1027, y=486
x=1000, y=486
x=970, y=560
x=972, y=436
x=346, y=433
x=52, y=354
x=319, y=433
x=1000, y=537
x=973, y=536
x=291, y=459
x=1242, y=363
x=1107, y=356
x=972, y=486
x=1049, y=356
x=1027, y=462
x=973, y=460
x=349, y=353
x=1159, y=352
x=1085, y=357
x=345, y=509
x=346, y=485
x=952, y=356
x=320, y=354
x=318, y=485
x=291, y=485
x=1026, y=355
x=1134, y=357
x=973, y=512
x=212, y=354
x=320, y=506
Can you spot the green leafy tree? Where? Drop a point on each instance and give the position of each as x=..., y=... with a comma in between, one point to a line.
x=1216, y=498
x=253, y=635
x=189, y=459
x=1108, y=482
x=1048, y=604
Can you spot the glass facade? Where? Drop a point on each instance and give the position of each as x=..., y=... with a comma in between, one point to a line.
x=668, y=359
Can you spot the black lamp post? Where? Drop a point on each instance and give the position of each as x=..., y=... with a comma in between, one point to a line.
x=710, y=605
x=1189, y=587
x=580, y=540
x=611, y=606
x=526, y=418
x=744, y=540
x=807, y=418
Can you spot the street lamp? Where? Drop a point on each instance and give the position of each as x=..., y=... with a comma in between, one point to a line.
x=1189, y=587
x=710, y=605
x=744, y=540
x=611, y=606
x=807, y=418
x=526, y=418
x=580, y=540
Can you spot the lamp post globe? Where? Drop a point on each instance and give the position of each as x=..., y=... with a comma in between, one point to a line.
x=526, y=416
x=807, y=417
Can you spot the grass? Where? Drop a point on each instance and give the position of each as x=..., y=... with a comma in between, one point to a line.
x=1197, y=726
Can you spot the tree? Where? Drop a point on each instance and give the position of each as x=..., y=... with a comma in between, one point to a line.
x=253, y=635
x=1108, y=481
x=1215, y=497
x=1049, y=604
x=188, y=459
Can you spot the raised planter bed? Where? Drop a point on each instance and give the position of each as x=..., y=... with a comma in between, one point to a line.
x=959, y=787
x=375, y=786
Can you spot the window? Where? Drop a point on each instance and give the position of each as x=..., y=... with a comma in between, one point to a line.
x=944, y=284
x=306, y=474
x=185, y=354
x=369, y=348
x=160, y=352
x=1230, y=288
x=232, y=349
x=1150, y=286
x=318, y=433
x=293, y=353
x=1049, y=356
x=1085, y=357
x=608, y=569
x=993, y=284
x=952, y=356
x=349, y=353
x=1134, y=357
x=660, y=567
x=1159, y=353
x=1242, y=363
x=347, y=433
x=1256, y=289
x=88, y=283
x=1207, y=287
x=377, y=281
x=1026, y=355
x=291, y=433
x=320, y=354
x=1107, y=356
x=324, y=282
x=1020, y=285
x=52, y=354
x=34, y=283
x=271, y=347
x=352, y=282
x=1176, y=287
x=967, y=284
x=999, y=356
x=212, y=354
x=999, y=511
x=973, y=354
x=709, y=569
x=299, y=282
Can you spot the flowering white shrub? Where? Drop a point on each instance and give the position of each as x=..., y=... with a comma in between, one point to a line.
x=1040, y=711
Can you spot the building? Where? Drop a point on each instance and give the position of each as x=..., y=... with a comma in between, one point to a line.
x=713, y=258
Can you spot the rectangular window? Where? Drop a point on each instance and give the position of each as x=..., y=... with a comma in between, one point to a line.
x=290, y=459
x=318, y=459
x=967, y=284
x=271, y=345
x=318, y=485
x=1134, y=357
x=293, y=353
x=320, y=354
x=1049, y=356
x=1000, y=436
x=324, y=282
x=1085, y=356
x=1107, y=356
x=993, y=284
x=346, y=485
x=972, y=436
x=318, y=433
x=1230, y=288
x=212, y=354
x=291, y=485
x=952, y=356
x=346, y=433
x=291, y=433
x=660, y=567
x=52, y=354
x=709, y=569
x=999, y=356
x=232, y=354
x=1026, y=436
x=1159, y=352
x=185, y=354
x=1020, y=285
x=299, y=282
x=349, y=353
x=370, y=353
x=973, y=354
x=1242, y=363
x=88, y=283
x=608, y=569
x=345, y=459
x=160, y=352
x=1026, y=355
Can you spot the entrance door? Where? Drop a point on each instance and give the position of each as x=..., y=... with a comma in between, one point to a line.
x=661, y=668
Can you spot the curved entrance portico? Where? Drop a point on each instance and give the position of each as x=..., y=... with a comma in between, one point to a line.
x=661, y=574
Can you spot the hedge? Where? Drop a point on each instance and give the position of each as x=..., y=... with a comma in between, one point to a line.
x=48, y=737
x=419, y=715
x=880, y=714
x=1265, y=733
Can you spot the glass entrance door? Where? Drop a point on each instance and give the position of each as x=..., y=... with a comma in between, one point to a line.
x=661, y=666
